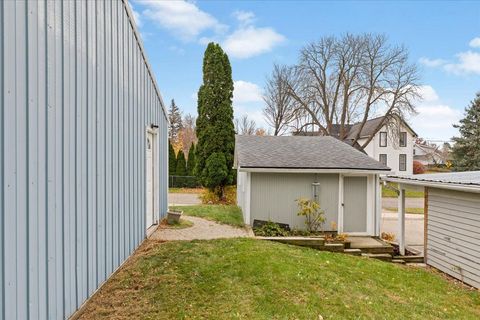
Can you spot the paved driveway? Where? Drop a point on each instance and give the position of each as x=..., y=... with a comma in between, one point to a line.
x=409, y=202
x=183, y=199
x=413, y=228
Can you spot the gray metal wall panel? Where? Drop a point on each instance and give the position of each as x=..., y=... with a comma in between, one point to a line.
x=76, y=97
x=273, y=196
x=453, y=234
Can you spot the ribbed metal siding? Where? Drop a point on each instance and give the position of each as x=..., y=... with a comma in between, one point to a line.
x=453, y=234
x=76, y=96
x=273, y=196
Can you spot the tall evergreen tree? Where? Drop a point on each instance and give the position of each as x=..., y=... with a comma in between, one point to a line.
x=172, y=160
x=175, y=119
x=215, y=129
x=191, y=160
x=181, y=164
x=466, y=150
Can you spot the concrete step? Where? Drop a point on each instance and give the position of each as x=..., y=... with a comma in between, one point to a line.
x=353, y=252
x=379, y=256
x=411, y=259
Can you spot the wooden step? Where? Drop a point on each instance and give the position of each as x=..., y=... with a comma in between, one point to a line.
x=399, y=261
x=353, y=252
x=410, y=259
x=379, y=256
x=333, y=247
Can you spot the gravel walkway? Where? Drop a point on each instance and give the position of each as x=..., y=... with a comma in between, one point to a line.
x=201, y=230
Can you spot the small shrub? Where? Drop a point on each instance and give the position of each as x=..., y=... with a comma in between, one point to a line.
x=314, y=216
x=418, y=167
x=388, y=236
x=211, y=196
x=341, y=237
x=270, y=229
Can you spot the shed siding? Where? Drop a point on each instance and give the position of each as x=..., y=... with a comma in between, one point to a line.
x=273, y=196
x=454, y=233
x=76, y=96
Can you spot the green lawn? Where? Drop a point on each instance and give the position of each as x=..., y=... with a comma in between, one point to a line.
x=389, y=193
x=407, y=210
x=231, y=215
x=255, y=279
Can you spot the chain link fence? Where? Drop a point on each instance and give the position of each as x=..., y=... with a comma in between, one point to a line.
x=183, y=182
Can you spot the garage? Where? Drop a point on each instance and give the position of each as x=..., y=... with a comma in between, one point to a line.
x=452, y=221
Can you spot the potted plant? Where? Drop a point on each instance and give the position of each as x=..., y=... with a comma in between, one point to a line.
x=173, y=216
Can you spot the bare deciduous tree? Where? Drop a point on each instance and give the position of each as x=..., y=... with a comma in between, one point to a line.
x=279, y=111
x=341, y=80
x=245, y=126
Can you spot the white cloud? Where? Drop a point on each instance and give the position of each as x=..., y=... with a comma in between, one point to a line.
x=245, y=91
x=435, y=119
x=182, y=18
x=432, y=62
x=249, y=41
x=475, y=42
x=244, y=17
x=138, y=19
x=428, y=94
x=468, y=62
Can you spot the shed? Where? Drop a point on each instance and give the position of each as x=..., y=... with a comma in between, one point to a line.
x=274, y=171
x=83, y=151
x=452, y=221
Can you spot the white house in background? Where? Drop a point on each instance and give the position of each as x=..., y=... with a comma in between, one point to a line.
x=427, y=154
x=392, y=147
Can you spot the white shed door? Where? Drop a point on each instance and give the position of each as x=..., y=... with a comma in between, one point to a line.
x=355, y=204
x=150, y=180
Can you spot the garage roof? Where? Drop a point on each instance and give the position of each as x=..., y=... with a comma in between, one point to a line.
x=300, y=152
x=468, y=180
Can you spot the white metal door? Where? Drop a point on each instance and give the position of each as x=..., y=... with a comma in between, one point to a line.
x=150, y=180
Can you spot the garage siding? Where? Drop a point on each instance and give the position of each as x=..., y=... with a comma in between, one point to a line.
x=453, y=234
x=76, y=96
x=273, y=196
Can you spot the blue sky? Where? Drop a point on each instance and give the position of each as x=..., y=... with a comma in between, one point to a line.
x=442, y=37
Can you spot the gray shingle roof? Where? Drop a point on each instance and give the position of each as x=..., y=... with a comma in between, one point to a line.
x=300, y=152
x=468, y=178
x=369, y=128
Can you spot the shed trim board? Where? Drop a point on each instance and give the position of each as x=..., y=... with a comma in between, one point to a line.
x=451, y=222
x=245, y=191
x=77, y=93
x=313, y=170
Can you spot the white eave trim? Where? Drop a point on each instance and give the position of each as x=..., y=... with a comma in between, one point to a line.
x=287, y=170
x=434, y=184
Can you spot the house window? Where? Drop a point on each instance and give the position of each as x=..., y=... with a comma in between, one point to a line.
x=402, y=164
x=383, y=139
x=403, y=139
x=383, y=159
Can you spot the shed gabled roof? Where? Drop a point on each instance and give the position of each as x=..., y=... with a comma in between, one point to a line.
x=300, y=152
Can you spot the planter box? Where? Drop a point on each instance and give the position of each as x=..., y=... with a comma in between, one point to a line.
x=173, y=217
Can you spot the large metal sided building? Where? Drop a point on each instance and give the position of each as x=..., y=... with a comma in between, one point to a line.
x=83, y=151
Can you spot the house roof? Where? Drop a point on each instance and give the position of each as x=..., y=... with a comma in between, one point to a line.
x=370, y=128
x=301, y=152
x=468, y=180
